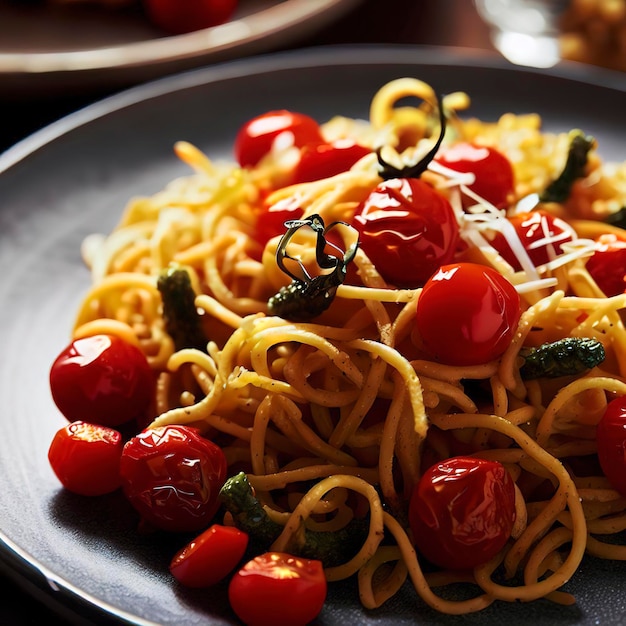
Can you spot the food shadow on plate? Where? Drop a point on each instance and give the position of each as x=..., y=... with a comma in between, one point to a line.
x=153, y=550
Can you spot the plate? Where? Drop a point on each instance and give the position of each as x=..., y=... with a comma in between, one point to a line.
x=44, y=48
x=74, y=178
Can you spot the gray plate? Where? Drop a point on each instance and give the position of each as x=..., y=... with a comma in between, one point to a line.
x=74, y=178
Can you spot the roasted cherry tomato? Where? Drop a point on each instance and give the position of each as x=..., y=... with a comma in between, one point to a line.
x=324, y=160
x=101, y=379
x=86, y=458
x=255, y=138
x=407, y=229
x=494, y=178
x=462, y=512
x=172, y=476
x=183, y=16
x=467, y=314
x=607, y=266
x=210, y=557
x=277, y=589
x=611, y=440
x=541, y=234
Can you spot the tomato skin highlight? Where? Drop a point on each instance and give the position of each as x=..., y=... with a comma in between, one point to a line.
x=611, y=440
x=101, y=379
x=407, y=229
x=271, y=218
x=462, y=512
x=86, y=458
x=183, y=16
x=255, y=138
x=210, y=557
x=607, y=265
x=532, y=229
x=172, y=475
x=467, y=314
x=324, y=160
x=495, y=180
x=278, y=589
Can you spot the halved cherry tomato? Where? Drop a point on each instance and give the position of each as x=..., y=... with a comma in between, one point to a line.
x=86, y=458
x=462, y=512
x=407, y=229
x=255, y=138
x=542, y=235
x=607, y=266
x=178, y=16
x=493, y=171
x=277, y=589
x=210, y=557
x=101, y=379
x=467, y=314
x=172, y=476
x=611, y=440
x=324, y=160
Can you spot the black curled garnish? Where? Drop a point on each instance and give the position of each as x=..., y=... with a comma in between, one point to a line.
x=413, y=170
x=308, y=296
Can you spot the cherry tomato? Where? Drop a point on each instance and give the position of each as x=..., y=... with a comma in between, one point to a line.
x=607, y=266
x=407, y=230
x=467, y=314
x=462, y=512
x=183, y=16
x=101, y=379
x=210, y=557
x=611, y=440
x=541, y=234
x=277, y=589
x=86, y=458
x=272, y=218
x=493, y=171
x=324, y=160
x=255, y=138
x=172, y=476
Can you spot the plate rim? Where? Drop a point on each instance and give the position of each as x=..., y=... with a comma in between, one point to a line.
x=15, y=561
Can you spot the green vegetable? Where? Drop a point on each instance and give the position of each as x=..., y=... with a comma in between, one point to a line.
x=565, y=357
x=560, y=188
x=182, y=321
x=332, y=548
x=308, y=296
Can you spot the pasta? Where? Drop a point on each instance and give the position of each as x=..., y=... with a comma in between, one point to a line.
x=336, y=417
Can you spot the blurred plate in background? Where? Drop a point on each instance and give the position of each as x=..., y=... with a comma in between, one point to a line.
x=49, y=49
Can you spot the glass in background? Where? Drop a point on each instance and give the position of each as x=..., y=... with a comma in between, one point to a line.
x=539, y=33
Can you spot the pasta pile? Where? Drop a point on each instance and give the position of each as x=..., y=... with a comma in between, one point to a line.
x=338, y=416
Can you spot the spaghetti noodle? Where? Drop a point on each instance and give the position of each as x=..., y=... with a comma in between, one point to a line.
x=339, y=415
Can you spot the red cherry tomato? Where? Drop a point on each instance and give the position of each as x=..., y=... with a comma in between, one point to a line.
x=183, y=16
x=407, y=230
x=611, y=440
x=272, y=218
x=542, y=235
x=324, y=160
x=210, y=557
x=172, y=476
x=493, y=171
x=607, y=266
x=277, y=589
x=255, y=138
x=462, y=512
x=86, y=458
x=467, y=314
x=101, y=379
